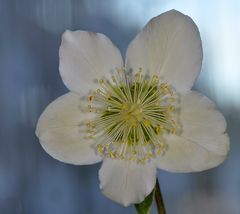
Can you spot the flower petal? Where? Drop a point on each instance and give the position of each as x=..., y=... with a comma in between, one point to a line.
x=170, y=46
x=202, y=122
x=203, y=143
x=184, y=155
x=126, y=182
x=84, y=57
x=62, y=131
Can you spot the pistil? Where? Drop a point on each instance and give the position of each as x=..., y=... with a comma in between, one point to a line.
x=132, y=115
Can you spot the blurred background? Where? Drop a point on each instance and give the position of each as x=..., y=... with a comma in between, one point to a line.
x=31, y=182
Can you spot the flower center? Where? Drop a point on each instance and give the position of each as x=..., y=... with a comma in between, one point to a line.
x=133, y=113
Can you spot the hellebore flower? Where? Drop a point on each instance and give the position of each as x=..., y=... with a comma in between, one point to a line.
x=138, y=116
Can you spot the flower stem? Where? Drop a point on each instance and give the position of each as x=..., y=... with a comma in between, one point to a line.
x=159, y=199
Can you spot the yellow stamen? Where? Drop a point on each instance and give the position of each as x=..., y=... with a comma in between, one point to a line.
x=131, y=116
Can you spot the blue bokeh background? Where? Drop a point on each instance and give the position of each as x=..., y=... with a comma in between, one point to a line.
x=31, y=182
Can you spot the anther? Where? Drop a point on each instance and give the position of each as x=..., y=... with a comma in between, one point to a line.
x=160, y=148
x=90, y=108
x=101, y=81
x=146, y=81
x=111, y=153
x=171, y=108
x=90, y=98
x=100, y=149
x=170, y=90
x=123, y=106
x=114, y=79
x=146, y=123
x=158, y=130
x=155, y=78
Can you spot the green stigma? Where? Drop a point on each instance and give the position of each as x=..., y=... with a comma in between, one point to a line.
x=132, y=115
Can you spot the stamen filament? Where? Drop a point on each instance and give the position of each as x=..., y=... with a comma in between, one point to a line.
x=132, y=115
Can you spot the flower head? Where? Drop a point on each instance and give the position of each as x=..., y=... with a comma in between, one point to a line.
x=135, y=117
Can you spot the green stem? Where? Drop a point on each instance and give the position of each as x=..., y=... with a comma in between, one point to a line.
x=159, y=199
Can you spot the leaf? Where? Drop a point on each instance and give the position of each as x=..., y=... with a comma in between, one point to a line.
x=145, y=206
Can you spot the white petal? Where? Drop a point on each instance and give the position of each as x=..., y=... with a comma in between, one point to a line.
x=202, y=122
x=84, y=57
x=126, y=182
x=62, y=131
x=184, y=155
x=203, y=143
x=170, y=46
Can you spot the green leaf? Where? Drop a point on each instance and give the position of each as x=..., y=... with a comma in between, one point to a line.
x=145, y=206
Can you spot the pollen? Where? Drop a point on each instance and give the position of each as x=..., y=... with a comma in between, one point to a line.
x=132, y=115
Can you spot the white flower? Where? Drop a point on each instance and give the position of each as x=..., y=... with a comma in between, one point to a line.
x=135, y=117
